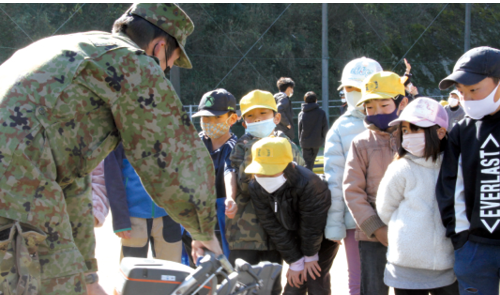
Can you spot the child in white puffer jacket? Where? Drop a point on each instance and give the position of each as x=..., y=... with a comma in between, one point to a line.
x=419, y=257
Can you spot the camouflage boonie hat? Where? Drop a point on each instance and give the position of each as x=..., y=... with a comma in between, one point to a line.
x=170, y=18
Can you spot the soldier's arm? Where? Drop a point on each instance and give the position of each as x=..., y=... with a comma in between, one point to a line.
x=161, y=143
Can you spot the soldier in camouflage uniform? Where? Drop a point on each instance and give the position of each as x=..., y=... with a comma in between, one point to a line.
x=65, y=103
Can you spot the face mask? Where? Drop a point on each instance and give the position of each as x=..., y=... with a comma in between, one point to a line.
x=352, y=99
x=477, y=109
x=414, y=143
x=291, y=94
x=271, y=184
x=452, y=101
x=215, y=130
x=261, y=129
x=382, y=120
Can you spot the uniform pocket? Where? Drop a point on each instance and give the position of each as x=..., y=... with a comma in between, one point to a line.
x=20, y=266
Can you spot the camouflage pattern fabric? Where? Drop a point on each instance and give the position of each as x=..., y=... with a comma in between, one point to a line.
x=78, y=197
x=172, y=20
x=244, y=232
x=19, y=263
x=68, y=285
x=65, y=103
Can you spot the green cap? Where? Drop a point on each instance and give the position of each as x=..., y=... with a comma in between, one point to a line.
x=170, y=18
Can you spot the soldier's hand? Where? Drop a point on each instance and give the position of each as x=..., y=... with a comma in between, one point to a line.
x=289, y=126
x=198, y=247
x=126, y=234
x=231, y=208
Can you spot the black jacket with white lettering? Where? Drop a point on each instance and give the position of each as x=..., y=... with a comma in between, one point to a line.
x=468, y=187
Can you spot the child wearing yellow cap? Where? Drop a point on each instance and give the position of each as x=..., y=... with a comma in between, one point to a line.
x=292, y=205
x=383, y=98
x=246, y=237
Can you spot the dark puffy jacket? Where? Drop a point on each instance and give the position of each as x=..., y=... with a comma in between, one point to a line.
x=295, y=215
x=285, y=109
x=312, y=126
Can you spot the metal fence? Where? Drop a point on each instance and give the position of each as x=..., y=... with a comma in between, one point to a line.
x=333, y=107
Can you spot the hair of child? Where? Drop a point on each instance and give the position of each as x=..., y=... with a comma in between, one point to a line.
x=433, y=145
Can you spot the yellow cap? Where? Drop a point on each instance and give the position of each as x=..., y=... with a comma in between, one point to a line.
x=270, y=156
x=381, y=85
x=443, y=103
x=257, y=99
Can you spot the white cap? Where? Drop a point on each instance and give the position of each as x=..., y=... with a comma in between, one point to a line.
x=423, y=112
x=456, y=92
x=357, y=70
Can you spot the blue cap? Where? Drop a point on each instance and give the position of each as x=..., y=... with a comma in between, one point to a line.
x=473, y=66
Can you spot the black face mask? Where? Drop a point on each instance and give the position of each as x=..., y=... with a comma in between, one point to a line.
x=167, y=71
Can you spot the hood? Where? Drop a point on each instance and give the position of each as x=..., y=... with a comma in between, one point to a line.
x=355, y=113
x=307, y=107
x=423, y=162
x=279, y=96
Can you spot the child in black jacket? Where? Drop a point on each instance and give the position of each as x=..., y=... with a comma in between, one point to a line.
x=292, y=205
x=468, y=187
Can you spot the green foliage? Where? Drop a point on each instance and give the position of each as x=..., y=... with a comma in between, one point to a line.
x=292, y=47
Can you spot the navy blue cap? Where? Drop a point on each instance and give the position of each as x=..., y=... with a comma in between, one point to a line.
x=215, y=103
x=473, y=66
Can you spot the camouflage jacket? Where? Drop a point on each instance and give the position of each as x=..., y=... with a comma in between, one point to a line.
x=243, y=232
x=65, y=103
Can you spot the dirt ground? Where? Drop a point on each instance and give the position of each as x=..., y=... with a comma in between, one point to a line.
x=108, y=256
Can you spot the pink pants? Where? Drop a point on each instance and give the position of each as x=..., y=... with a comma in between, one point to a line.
x=353, y=262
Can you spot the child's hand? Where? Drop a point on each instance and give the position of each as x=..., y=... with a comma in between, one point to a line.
x=408, y=66
x=124, y=234
x=231, y=208
x=381, y=235
x=294, y=278
x=313, y=269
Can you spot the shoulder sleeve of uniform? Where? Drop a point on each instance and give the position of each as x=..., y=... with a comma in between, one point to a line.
x=160, y=141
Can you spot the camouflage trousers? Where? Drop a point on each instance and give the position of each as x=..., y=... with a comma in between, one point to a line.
x=21, y=268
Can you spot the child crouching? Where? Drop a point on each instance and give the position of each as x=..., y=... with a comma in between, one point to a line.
x=291, y=203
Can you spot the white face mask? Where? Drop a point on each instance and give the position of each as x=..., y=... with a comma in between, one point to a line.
x=271, y=184
x=414, y=143
x=453, y=102
x=477, y=109
x=352, y=99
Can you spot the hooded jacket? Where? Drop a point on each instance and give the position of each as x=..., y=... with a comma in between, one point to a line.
x=371, y=153
x=313, y=126
x=406, y=202
x=337, y=145
x=455, y=114
x=294, y=216
x=467, y=190
x=285, y=109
